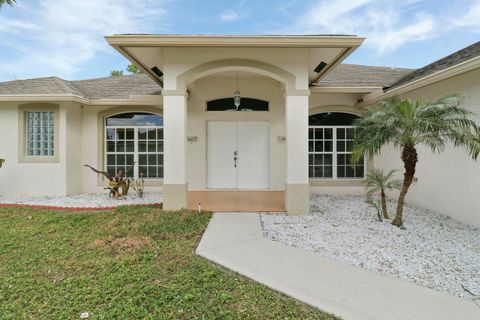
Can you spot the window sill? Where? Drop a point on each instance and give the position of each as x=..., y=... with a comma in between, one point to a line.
x=36, y=159
x=102, y=181
x=336, y=182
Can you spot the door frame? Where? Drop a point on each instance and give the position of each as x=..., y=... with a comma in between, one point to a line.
x=268, y=154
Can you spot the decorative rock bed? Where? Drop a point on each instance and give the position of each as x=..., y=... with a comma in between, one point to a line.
x=434, y=251
x=86, y=201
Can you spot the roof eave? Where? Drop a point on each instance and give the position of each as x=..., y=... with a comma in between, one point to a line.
x=338, y=89
x=347, y=43
x=144, y=100
x=234, y=41
x=42, y=97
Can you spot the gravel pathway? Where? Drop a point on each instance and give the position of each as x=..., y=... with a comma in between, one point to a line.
x=86, y=200
x=434, y=251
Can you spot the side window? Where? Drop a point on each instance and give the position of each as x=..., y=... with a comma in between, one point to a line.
x=330, y=144
x=134, y=138
x=40, y=133
x=38, y=139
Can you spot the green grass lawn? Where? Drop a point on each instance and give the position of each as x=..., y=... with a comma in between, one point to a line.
x=131, y=263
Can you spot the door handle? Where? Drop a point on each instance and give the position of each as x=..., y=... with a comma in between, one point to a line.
x=235, y=159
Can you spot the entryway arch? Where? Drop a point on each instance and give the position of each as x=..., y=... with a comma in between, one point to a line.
x=254, y=66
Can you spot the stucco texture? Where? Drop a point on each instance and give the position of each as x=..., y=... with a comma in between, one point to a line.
x=448, y=182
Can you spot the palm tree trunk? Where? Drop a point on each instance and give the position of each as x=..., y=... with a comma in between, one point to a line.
x=409, y=158
x=379, y=215
x=384, y=205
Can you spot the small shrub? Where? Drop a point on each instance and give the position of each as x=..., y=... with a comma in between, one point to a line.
x=377, y=182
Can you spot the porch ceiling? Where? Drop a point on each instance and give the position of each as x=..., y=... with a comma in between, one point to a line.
x=146, y=50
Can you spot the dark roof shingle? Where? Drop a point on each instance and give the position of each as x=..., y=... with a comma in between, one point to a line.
x=117, y=87
x=50, y=85
x=101, y=88
x=455, y=58
x=354, y=75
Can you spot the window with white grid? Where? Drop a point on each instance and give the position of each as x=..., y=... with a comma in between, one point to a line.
x=40, y=133
x=134, y=138
x=345, y=138
x=150, y=152
x=331, y=139
x=320, y=148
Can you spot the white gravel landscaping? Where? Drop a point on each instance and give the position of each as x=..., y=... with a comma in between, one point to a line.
x=85, y=200
x=434, y=251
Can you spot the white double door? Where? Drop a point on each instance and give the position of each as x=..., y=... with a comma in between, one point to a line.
x=237, y=155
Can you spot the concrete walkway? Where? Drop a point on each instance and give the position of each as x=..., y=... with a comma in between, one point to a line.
x=235, y=241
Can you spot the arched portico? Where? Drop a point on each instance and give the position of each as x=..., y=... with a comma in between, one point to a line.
x=294, y=129
x=253, y=66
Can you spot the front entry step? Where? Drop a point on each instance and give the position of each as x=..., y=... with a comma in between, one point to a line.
x=237, y=201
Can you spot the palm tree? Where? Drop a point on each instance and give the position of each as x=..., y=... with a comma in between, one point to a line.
x=9, y=2
x=376, y=204
x=407, y=124
x=378, y=182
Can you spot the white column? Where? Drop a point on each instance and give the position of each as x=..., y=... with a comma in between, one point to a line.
x=296, y=124
x=175, y=137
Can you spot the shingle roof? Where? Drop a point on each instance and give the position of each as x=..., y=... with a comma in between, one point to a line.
x=455, y=58
x=50, y=85
x=344, y=75
x=354, y=75
x=117, y=87
x=100, y=88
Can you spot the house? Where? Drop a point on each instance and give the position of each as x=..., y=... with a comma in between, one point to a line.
x=256, y=120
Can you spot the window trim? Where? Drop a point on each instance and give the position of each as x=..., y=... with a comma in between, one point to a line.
x=100, y=129
x=135, y=152
x=334, y=154
x=23, y=156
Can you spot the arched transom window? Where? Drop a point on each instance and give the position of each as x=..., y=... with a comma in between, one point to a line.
x=134, y=137
x=246, y=104
x=330, y=142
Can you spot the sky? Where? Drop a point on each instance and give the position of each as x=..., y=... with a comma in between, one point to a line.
x=64, y=38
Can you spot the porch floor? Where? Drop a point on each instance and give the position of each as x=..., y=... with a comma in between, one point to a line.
x=235, y=200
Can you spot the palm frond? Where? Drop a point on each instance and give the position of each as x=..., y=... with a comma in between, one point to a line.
x=404, y=122
x=376, y=181
x=9, y=2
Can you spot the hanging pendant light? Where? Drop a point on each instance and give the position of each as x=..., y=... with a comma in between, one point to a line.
x=237, y=96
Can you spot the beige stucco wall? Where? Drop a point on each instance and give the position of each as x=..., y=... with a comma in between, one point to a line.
x=449, y=182
x=92, y=144
x=35, y=178
x=81, y=134
x=81, y=137
x=73, y=150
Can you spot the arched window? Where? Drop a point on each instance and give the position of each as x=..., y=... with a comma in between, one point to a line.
x=332, y=119
x=330, y=142
x=134, y=137
x=246, y=104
